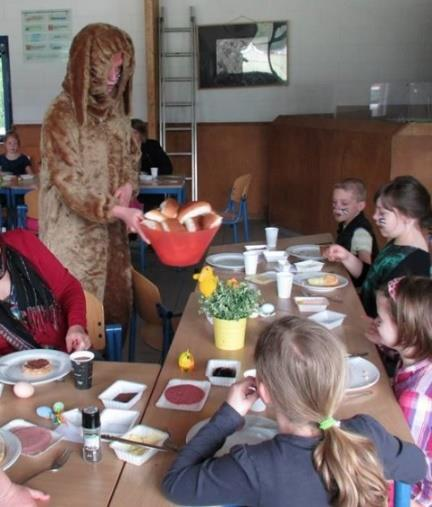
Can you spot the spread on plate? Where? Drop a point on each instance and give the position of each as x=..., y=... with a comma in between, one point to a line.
x=323, y=281
x=34, y=439
x=125, y=397
x=37, y=367
x=184, y=394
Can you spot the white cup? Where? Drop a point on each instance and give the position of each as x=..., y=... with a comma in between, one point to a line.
x=250, y=262
x=271, y=236
x=284, y=281
x=284, y=265
x=259, y=405
x=154, y=172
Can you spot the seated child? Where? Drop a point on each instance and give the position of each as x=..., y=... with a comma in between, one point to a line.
x=404, y=324
x=313, y=459
x=354, y=231
x=13, y=161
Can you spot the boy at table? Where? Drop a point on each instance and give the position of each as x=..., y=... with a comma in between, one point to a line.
x=354, y=230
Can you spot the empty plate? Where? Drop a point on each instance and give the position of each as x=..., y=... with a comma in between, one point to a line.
x=361, y=374
x=226, y=261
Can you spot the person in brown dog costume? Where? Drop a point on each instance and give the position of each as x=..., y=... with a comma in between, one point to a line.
x=89, y=168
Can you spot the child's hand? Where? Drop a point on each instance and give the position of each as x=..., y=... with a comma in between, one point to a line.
x=336, y=253
x=242, y=395
x=372, y=333
x=124, y=194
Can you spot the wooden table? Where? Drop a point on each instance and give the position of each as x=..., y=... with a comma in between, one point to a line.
x=13, y=188
x=196, y=333
x=77, y=483
x=164, y=185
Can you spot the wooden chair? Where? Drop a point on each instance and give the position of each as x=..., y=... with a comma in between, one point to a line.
x=108, y=338
x=159, y=322
x=236, y=210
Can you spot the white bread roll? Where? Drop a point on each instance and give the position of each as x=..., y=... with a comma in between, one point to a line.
x=193, y=209
x=155, y=215
x=170, y=208
x=172, y=225
x=151, y=224
x=192, y=224
x=210, y=220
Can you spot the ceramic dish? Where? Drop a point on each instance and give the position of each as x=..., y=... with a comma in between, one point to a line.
x=137, y=455
x=213, y=364
x=308, y=265
x=305, y=252
x=163, y=402
x=311, y=304
x=12, y=449
x=328, y=319
x=302, y=279
x=119, y=387
x=11, y=366
x=231, y=261
x=22, y=423
x=361, y=374
x=256, y=429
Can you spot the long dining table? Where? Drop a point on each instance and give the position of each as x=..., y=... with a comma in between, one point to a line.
x=140, y=486
x=77, y=483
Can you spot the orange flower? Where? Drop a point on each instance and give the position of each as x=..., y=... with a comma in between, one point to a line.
x=233, y=282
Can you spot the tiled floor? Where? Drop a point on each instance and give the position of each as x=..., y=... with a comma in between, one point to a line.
x=176, y=284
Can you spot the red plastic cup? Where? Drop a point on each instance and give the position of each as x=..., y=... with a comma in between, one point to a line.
x=180, y=249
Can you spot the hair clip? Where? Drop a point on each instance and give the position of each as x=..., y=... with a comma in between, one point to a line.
x=328, y=422
x=393, y=287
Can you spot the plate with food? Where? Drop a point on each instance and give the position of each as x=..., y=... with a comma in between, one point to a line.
x=256, y=429
x=34, y=439
x=10, y=449
x=305, y=252
x=231, y=261
x=189, y=395
x=36, y=366
x=320, y=282
x=361, y=374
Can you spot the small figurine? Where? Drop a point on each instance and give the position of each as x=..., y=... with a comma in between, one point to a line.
x=186, y=361
x=55, y=413
x=207, y=281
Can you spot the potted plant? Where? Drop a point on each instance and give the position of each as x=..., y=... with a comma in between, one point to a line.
x=229, y=305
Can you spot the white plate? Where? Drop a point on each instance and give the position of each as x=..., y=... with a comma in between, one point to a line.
x=328, y=318
x=11, y=372
x=361, y=374
x=193, y=407
x=255, y=430
x=302, y=280
x=226, y=261
x=305, y=252
x=13, y=449
x=22, y=423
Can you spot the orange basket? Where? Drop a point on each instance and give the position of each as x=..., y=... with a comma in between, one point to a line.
x=180, y=248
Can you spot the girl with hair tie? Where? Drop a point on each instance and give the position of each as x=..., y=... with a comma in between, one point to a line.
x=314, y=459
x=41, y=303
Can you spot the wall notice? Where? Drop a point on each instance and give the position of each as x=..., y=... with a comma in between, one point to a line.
x=47, y=34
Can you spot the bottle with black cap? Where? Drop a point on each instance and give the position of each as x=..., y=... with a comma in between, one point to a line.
x=92, y=449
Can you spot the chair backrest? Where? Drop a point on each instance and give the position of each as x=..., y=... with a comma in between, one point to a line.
x=240, y=187
x=95, y=321
x=31, y=199
x=146, y=296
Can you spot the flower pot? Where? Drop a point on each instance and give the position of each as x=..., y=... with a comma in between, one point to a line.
x=229, y=334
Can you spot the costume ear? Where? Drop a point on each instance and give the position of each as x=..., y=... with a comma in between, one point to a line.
x=79, y=75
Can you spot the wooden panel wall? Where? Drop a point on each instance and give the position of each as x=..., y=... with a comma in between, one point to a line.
x=225, y=151
x=309, y=154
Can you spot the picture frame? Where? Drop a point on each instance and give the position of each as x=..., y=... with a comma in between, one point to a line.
x=244, y=54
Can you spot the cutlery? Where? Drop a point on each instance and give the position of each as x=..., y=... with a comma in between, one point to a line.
x=307, y=293
x=113, y=438
x=56, y=464
x=358, y=354
x=356, y=394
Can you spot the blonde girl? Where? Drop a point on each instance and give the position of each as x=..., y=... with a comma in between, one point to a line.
x=404, y=324
x=313, y=459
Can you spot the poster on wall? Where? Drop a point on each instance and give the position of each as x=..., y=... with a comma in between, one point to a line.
x=47, y=34
x=246, y=54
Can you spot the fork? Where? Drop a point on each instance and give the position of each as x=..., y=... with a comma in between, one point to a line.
x=56, y=464
x=307, y=293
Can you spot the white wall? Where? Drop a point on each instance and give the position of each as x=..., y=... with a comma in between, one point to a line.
x=337, y=48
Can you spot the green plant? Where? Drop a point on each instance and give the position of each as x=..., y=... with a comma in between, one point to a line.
x=231, y=300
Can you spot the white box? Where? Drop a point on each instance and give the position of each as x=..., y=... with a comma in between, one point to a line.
x=308, y=265
x=274, y=255
x=137, y=455
x=122, y=386
x=311, y=304
x=328, y=319
x=212, y=364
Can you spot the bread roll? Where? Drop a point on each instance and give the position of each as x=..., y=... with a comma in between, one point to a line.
x=155, y=215
x=193, y=224
x=210, y=220
x=169, y=208
x=151, y=224
x=193, y=209
x=172, y=225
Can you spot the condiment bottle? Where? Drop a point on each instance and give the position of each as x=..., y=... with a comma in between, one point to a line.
x=92, y=449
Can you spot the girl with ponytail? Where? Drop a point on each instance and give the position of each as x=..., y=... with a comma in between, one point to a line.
x=314, y=459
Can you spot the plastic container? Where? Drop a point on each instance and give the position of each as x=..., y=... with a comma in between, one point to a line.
x=180, y=248
x=274, y=255
x=119, y=387
x=137, y=455
x=311, y=304
x=328, y=319
x=212, y=364
x=309, y=265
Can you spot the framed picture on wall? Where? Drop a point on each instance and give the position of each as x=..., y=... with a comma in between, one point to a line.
x=246, y=54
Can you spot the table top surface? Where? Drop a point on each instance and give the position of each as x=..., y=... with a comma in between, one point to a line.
x=77, y=483
x=195, y=332
x=163, y=182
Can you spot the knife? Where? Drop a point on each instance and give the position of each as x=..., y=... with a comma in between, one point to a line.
x=113, y=438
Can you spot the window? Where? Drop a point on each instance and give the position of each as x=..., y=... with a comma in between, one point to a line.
x=5, y=88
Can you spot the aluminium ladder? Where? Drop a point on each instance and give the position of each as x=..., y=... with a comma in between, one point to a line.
x=177, y=90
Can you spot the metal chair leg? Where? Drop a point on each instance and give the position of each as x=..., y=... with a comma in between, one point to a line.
x=132, y=336
x=113, y=333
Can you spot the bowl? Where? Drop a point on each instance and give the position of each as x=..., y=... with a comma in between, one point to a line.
x=328, y=318
x=139, y=455
x=212, y=364
x=180, y=249
x=308, y=265
x=311, y=304
x=119, y=387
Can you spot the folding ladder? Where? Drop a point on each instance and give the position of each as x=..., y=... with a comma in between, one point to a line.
x=177, y=90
